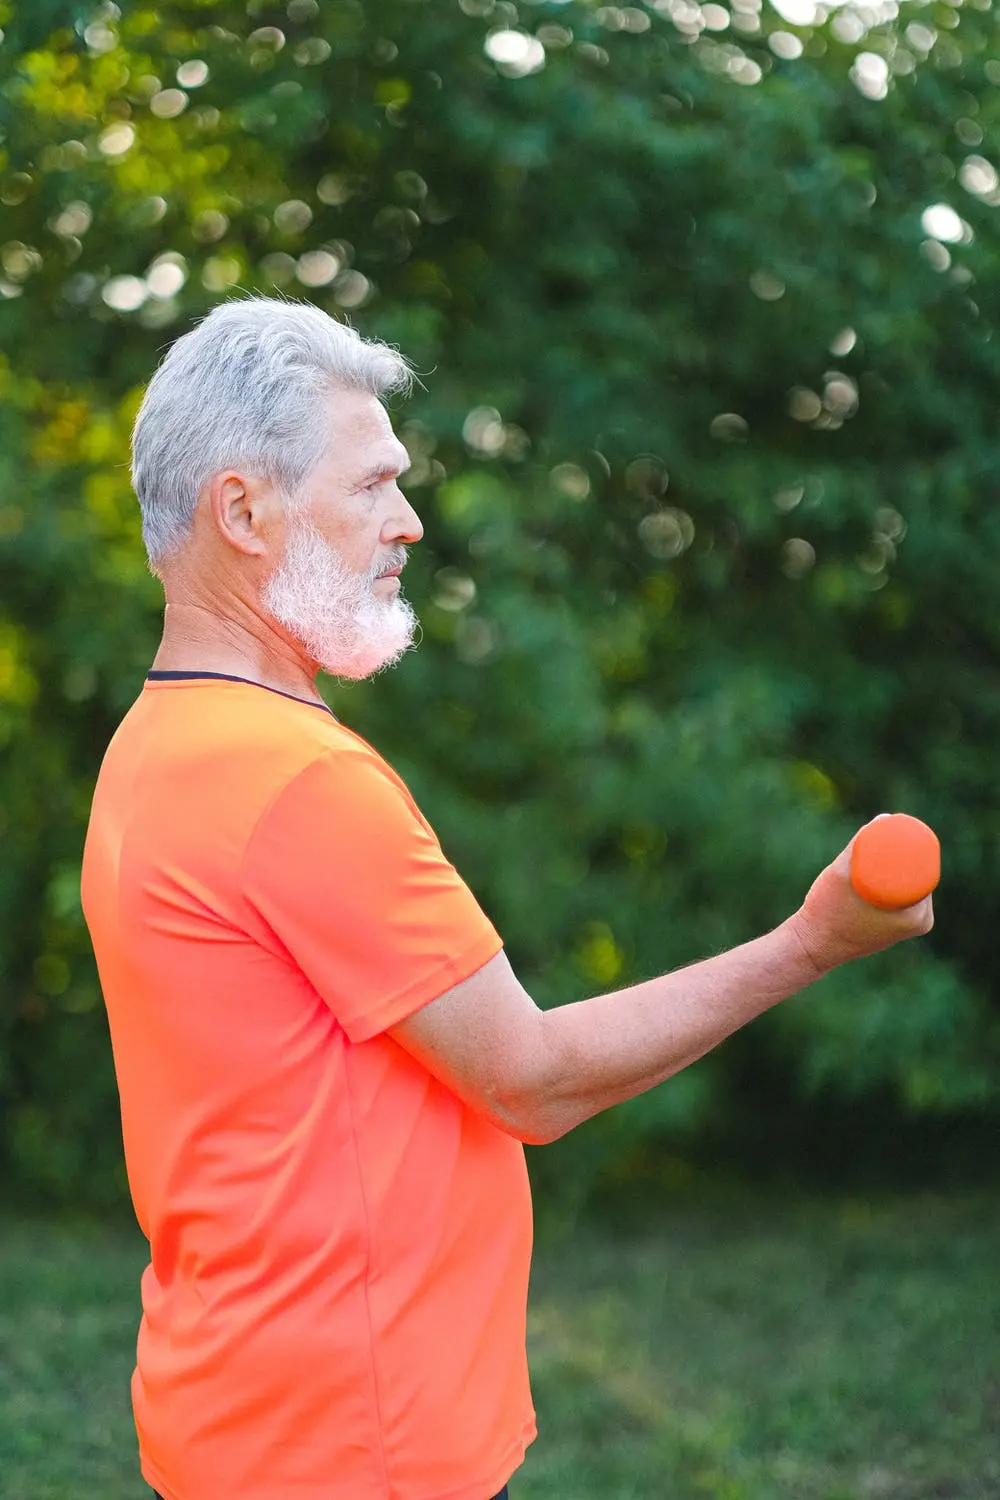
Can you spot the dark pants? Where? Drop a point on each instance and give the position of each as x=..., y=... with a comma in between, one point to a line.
x=502, y=1495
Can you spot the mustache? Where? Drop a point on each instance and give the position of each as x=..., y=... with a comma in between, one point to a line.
x=396, y=559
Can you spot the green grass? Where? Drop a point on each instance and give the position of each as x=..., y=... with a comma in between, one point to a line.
x=68, y=1316
x=752, y=1350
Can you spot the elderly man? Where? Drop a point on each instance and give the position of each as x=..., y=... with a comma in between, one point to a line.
x=326, y=1064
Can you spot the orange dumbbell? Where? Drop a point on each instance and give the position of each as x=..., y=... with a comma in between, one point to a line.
x=895, y=862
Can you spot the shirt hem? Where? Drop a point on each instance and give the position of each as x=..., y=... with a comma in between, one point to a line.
x=485, y=1489
x=482, y=1489
x=154, y=1481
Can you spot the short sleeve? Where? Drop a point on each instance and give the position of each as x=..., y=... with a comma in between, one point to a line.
x=353, y=883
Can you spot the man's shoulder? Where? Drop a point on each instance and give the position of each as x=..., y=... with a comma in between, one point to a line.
x=228, y=742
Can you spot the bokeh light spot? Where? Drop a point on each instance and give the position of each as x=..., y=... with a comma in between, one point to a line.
x=293, y=217
x=920, y=36
x=74, y=219
x=978, y=176
x=796, y=12
x=209, y=225
x=191, y=75
x=936, y=254
x=890, y=523
x=745, y=71
x=729, y=427
x=843, y=343
x=803, y=404
x=314, y=50
x=941, y=222
x=124, y=293
x=554, y=38
x=453, y=591
x=220, y=272
x=16, y=188
x=767, y=286
x=352, y=289
x=333, y=189
x=797, y=557
x=166, y=275
x=515, y=53
x=100, y=38
x=848, y=27
x=870, y=75
x=570, y=480
x=278, y=268
x=483, y=430
x=317, y=268
x=840, y=394
x=168, y=103
x=117, y=139
x=19, y=260
x=784, y=44
x=647, y=477
x=666, y=533
x=969, y=132
x=599, y=956
x=476, y=641
x=271, y=37
x=789, y=496
x=148, y=211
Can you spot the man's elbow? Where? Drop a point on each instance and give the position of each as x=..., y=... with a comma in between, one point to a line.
x=529, y=1118
x=531, y=1096
x=520, y=1083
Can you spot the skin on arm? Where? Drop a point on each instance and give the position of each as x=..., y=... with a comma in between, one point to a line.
x=537, y=1074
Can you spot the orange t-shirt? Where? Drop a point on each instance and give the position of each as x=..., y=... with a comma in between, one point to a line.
x=334, y=1307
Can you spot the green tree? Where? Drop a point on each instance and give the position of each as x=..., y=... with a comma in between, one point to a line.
x=704, y=303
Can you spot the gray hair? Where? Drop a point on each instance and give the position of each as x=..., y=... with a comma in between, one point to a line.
x=246, y=387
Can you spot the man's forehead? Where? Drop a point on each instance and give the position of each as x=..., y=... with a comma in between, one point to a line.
x=360, y=421
x=358, y=411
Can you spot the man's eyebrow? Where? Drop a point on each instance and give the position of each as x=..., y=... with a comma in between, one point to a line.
x=387, y=470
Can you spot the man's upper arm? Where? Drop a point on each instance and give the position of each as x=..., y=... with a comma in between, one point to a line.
x=483, y=1039
x=350, y=879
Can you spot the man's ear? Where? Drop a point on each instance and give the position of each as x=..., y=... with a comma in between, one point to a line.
x=242, y=509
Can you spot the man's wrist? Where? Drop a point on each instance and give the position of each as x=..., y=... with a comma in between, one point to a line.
x=804, y=953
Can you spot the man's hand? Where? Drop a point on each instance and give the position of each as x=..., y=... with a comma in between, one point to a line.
x=834, y=925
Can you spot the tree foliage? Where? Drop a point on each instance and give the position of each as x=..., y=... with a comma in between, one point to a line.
x=704, y=301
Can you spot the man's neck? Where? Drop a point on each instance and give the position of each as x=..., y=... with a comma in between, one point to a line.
x=195, y=640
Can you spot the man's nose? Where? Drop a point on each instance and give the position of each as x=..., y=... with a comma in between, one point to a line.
x=404, y=525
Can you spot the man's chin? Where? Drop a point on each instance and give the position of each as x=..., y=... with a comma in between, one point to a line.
x=375, y=654
x=358, y=668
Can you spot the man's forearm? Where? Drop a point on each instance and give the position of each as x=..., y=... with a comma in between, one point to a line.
x=598, y=1052
x=537, y=1073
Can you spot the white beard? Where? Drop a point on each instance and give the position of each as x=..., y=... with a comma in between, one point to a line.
x=334, y=612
